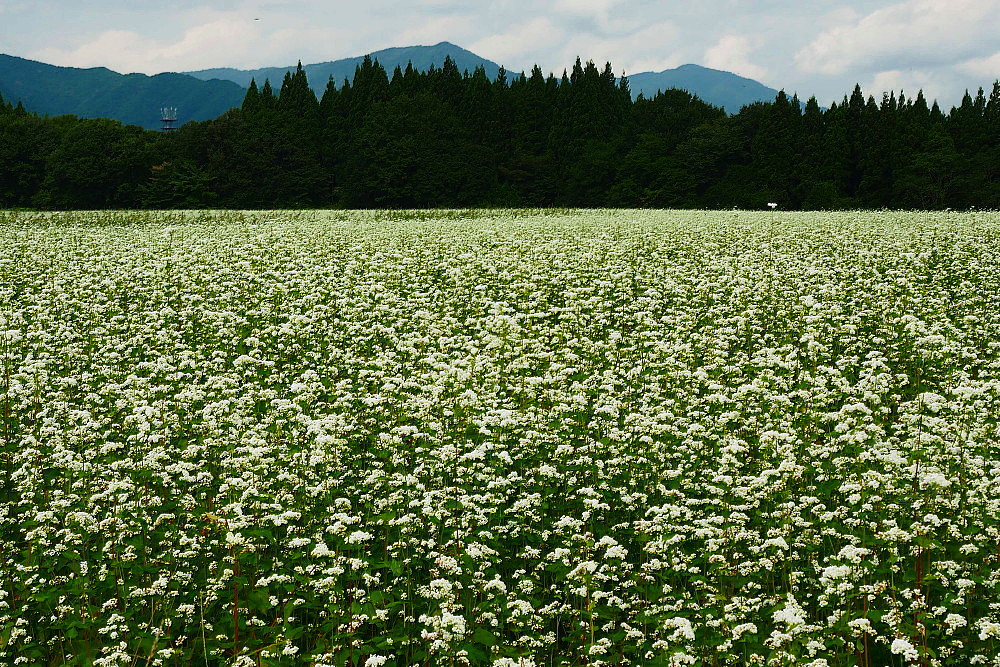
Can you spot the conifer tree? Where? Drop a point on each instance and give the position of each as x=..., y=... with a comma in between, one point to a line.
x=396, y=80
x=992, y=110
x=501, y=80
x=251, y=101
x=990, y=196
x=369, y=87
x=329, y=103
x=411, y=78
x=921, y=113
x=267, y=100
x=297, y=100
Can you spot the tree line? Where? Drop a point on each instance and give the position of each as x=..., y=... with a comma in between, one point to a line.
x=445, y=138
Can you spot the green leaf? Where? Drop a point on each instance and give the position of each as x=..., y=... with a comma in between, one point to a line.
x=485, y=637
x=476, y=653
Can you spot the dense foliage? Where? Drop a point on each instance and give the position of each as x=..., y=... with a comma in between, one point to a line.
x=443, y=138
x=500, y=439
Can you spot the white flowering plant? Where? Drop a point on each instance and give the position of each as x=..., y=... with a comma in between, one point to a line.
x=499, y=438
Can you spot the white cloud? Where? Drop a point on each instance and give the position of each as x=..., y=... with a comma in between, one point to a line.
x=731, y=53
x=285, y=46
x=444, y=28
x=212, y=42
x=909, y=82
x=890, y=80
x=649, y=48
x=11, y=7
x=543, y=41
x=221, y=40
x=987, y=68
x=517, y=41
x=607, y=17
x=594, y=9
x=442, y=5
x=653, y=64
x=920, y=33
x=126, y=45
x=838, y=16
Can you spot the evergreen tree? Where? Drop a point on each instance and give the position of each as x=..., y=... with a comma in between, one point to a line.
x=448, y=83
x=967, y=127
x=528, y=167
x=773, y=131
x=877, y=153
x=990, y=160
x=26, y=142
x=818, y=188
x=329, y=104
x=251, y=101
x=296, y=99
x=267, y=100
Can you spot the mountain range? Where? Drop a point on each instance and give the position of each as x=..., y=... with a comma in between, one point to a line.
x=422, y=57
x=205, y=94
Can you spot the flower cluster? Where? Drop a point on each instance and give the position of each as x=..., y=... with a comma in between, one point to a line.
x=500, y=438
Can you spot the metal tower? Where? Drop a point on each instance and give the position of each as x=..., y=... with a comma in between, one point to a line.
x=168, y=116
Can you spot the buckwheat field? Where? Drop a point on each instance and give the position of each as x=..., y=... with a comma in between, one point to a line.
x=517, y=439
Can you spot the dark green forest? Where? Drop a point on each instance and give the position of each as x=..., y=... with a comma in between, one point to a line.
x=444, y=138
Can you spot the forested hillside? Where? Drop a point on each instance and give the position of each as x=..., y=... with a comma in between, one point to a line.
x=442, y=138
x=97, y=92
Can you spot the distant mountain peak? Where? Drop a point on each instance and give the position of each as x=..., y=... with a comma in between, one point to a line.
x=718, y=87
x=421, y=56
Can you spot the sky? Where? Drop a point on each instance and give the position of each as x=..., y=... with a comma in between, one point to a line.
x=806, y=46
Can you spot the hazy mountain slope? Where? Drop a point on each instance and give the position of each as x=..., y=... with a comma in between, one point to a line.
x=318, y=74
x=99, y=92
x=714, y=86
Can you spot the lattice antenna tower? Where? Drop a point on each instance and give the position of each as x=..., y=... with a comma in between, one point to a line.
x=168, y=116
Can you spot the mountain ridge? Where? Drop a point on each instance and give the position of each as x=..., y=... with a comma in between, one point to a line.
x=206, y=94
x=421, y=56
x=98, y=92
x=717, y=87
